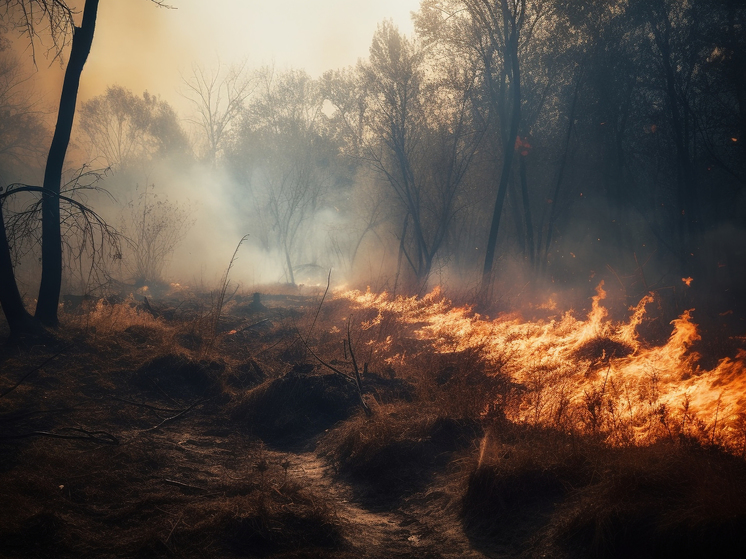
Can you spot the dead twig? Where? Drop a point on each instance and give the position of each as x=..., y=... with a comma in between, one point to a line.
x=320, y=360
x=148, y=406
x=250, y=326
x=28, y=374
x=173, y=528
x=182, y=484
x=217, y=308
x=318, y=310
x=358, y=380
x=175, y=417
x=101, y=437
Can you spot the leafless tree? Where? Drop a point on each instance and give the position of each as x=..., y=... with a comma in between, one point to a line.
x=57, y=19
x=218, y=96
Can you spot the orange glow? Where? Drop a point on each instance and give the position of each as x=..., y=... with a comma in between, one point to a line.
x=586, y=375
x=687, y=281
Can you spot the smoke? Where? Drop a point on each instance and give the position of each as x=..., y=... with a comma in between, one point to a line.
x=143, y=47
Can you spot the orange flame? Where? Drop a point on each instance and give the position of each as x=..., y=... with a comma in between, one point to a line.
x=590, y=374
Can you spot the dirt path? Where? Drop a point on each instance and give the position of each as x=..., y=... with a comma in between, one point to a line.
x=425, y=525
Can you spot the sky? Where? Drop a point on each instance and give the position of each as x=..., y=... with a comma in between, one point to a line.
x=141, y=46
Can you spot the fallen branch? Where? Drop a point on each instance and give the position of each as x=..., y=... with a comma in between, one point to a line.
x=320, y=360
x=250, y=326
x=101, y=437
x=182, y=484
x=24, y=377
x=174, y=417
x=148, y=406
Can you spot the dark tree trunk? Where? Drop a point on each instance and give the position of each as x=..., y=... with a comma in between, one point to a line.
x=509, y=149
x=51, y=248
x=18, y=318
x=561, y=172
x=514, y=203
x=527, y=211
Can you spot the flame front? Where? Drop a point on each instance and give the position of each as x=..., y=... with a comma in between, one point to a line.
x=593, y=375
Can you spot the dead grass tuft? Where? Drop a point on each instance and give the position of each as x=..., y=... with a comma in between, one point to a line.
x=538, y=489
x=176, y=377
x=289, y=411
x=397, y=450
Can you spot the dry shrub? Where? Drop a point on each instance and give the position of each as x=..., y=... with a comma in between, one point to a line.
x=177, y=377
x=269, y=521
x=539, y=489
x=664, y=500
x=126, y=322
x=397, y=450
x=75, y=501
x=290, y=410
x=520, y=473
x=107, y=318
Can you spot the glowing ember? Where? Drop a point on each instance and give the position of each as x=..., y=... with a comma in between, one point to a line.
x=592, y=375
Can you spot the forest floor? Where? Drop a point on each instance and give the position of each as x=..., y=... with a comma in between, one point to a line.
x=147, y=430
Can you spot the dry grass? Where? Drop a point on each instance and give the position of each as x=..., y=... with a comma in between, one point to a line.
x=397, y=451
x=575, y=497
x=211, y=480
x=189, y=487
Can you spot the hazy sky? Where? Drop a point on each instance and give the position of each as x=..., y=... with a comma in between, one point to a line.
x=141, y=46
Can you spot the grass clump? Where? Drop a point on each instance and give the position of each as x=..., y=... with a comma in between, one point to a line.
x=397, y=451
x=539, y=490
x=289, y=411
x=664, y=500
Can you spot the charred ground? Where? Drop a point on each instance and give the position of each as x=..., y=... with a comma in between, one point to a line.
x=143, y=432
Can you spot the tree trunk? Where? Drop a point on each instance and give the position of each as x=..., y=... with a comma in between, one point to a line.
x=18, y=318
x=561, y=172
x=51, y=244
x=527, y=211
x=509, y=149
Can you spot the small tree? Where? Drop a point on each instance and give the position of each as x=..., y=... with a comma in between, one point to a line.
x=153, y=228
x=218, y=99
x=284, y=160
x=124, y=128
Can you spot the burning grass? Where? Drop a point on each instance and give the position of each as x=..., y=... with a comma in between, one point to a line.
x=565, y=437
x=587, y=376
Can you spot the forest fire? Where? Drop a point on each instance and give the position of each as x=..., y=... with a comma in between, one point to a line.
x=589, y=375
x=187, y=366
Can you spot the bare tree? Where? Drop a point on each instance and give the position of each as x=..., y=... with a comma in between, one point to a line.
x=57, y=18
x=123, y=128
x=218, y=97
x=153, y=227
x=22, y=129
x=419, y=138
x=284, y=160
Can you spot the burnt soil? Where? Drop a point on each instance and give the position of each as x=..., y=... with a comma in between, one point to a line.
x=132, y=440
